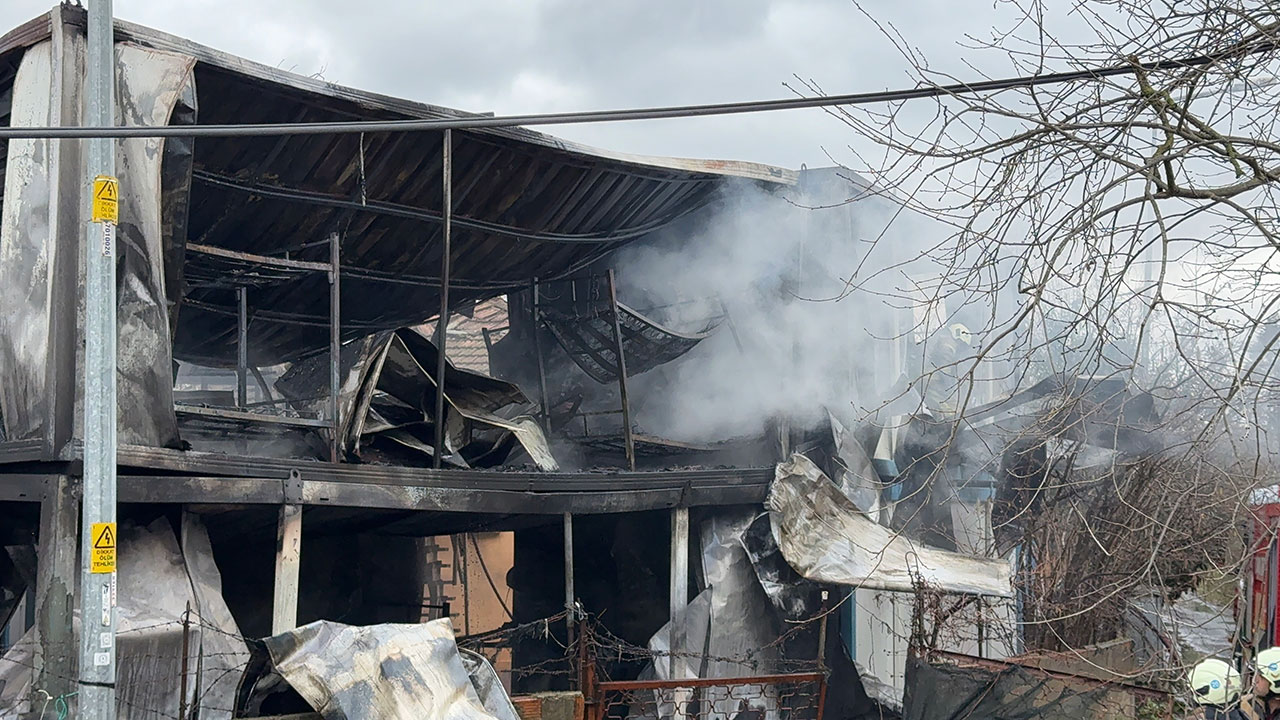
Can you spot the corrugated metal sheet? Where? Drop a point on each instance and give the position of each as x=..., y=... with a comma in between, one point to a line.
x=525, y=204
x=589, y=341
x=538, y=212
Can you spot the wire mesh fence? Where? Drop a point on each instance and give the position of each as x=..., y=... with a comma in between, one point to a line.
x=774, y=680
x=166, y=671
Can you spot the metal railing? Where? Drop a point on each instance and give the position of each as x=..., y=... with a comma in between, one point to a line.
x=794, y=696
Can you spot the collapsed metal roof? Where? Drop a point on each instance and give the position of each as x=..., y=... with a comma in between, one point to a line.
x=526, y=205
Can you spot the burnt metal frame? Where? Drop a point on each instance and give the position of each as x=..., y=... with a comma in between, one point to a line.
x=334, y=270
x=442, y=322
x=622, y=372
x=167, y=477
x=535, y=308
x=57, y=441
x=628, y=433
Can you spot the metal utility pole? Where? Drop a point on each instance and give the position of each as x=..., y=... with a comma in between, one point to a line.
x=97, y=693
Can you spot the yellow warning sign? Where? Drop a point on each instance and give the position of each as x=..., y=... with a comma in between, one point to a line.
x=103, y=559
x=106, y=199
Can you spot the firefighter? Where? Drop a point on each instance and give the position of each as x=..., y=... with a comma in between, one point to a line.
x=1266, y=683
x=1216, y=686
x=942, y=370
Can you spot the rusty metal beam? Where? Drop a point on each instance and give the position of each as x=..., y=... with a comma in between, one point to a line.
x=263, y=260
x=622, y=373
x=250, y=416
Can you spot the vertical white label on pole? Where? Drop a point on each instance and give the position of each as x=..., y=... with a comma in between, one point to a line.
x=108, y=239
x=113, y=591
x=104, y=209
x=106, y=606
x=104, y=640
x=101, y=659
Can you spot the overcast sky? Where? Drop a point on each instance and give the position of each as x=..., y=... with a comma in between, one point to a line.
x=512, y=56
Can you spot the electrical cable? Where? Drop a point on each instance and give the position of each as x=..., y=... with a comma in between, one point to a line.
x=475, y=122
x=487, y=576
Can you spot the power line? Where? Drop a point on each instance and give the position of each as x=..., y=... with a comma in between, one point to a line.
x=655, y=113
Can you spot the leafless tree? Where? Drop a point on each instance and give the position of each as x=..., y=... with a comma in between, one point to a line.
x=1121, y=226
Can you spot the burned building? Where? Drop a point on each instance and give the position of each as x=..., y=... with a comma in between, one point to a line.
x=371, y=378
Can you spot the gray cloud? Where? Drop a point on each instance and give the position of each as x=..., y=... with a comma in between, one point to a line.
x=546, y=55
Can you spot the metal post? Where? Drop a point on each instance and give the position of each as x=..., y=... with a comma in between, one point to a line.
x=56, y=568
x=442, y=324
x=335, y=339
x=536, y=310
x=822, y=633
x=97, y=692
x=569, y=599
x=242, y=348
x=679, y=572
x=284, y=614
x=622, y=373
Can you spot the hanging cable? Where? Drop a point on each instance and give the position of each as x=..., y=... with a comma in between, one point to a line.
x=477, y=122
x=487, y=576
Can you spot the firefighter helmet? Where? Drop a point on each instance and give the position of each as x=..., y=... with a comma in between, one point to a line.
x=1214, y=682
x=1268, y=664
x=961, y=334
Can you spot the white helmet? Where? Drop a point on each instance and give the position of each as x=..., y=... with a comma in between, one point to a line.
x=1214, y=682
x=961, y=334
x=1268, y=664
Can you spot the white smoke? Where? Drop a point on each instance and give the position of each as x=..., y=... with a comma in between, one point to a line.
x=813, y=308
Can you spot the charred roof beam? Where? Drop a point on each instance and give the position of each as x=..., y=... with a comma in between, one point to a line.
x=403, y=211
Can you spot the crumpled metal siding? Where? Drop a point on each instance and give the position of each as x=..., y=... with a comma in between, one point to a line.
x=489, y=686
x=794, y=597
x=158, y=581
x=27, y=254
x=395, y=373
x=725, y=632
x=379, y=672
x=149, y=87
x=306, y=384
x=826, y=538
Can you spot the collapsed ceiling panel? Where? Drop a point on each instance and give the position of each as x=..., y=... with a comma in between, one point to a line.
x=589, y=341
x=387, y=395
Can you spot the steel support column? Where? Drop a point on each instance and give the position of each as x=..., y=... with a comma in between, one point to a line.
x=242, y=347
x=622, y=373
x=284, y=615
x=535, y=309
x=56, y=568
x=679, y=572
x=335, y=342
x=442, y=324
x=570, y=601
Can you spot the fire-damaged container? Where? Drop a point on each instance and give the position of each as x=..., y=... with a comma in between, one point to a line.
x=1256, y=613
